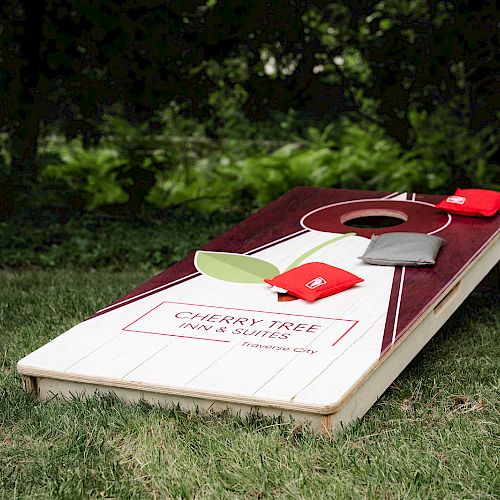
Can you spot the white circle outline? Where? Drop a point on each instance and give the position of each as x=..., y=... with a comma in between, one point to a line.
x=370, y=199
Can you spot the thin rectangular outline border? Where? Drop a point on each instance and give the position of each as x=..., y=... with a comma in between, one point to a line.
x=127, y=327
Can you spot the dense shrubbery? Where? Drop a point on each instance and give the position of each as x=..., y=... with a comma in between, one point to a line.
x=171, y=161
x=361, y=156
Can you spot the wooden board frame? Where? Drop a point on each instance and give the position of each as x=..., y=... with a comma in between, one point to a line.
x=324, y=418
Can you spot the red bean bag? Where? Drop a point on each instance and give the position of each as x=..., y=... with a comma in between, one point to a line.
x=472, y=202
x=314, y=280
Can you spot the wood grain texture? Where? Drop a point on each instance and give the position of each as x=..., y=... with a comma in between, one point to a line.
x=465, y=236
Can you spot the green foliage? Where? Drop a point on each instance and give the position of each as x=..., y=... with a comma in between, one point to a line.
x=128, y=161
x=453, y=154
x=167, y=161
x=229, y=63
x=171, y=161
x=4, y=157
x=359, y=158
x=399, y=100
x=362, y=156
x=228, y=95
x=90, y=173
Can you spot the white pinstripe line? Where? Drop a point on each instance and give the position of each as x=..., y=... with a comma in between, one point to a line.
x=276, y=241
x=442, y=227
x=396, y=316
x=388, y=196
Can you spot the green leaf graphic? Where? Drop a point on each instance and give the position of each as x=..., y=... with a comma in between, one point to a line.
x=234, y=267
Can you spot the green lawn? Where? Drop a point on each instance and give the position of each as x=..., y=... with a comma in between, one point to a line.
x=434, y=433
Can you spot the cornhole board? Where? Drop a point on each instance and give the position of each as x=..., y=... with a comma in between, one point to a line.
x=208, y=333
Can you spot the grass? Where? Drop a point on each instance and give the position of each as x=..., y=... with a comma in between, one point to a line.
x=47, y=239
x=433, y=434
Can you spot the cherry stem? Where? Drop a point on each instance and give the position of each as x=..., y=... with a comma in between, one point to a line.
x=304, y=256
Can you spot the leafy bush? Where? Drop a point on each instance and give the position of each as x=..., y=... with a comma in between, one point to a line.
x=4, y=157
x=167, y=161
x=171, y=161
x=362, y=156
x=125, y=165
x=453, y=154
x=90, y=174
x=355, y=157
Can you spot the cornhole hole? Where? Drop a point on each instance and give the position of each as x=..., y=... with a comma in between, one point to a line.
x=208, y=333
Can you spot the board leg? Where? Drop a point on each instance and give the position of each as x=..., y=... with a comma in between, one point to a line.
x=30, y=385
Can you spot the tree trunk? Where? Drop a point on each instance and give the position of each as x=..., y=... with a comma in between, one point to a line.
x=23, y=105
x=23, y=168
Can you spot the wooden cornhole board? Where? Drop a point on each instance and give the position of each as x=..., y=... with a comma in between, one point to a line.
x=206, y=342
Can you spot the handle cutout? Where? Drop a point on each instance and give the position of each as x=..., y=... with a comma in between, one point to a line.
x=444, y=302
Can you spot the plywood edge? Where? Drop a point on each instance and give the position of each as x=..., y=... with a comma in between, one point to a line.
x=30, y=385
x=56, y=377
x=65, y=389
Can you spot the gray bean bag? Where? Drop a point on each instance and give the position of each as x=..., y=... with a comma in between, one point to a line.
x=402, y=249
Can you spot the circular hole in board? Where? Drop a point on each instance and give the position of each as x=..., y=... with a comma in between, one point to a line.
x=373, y=218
